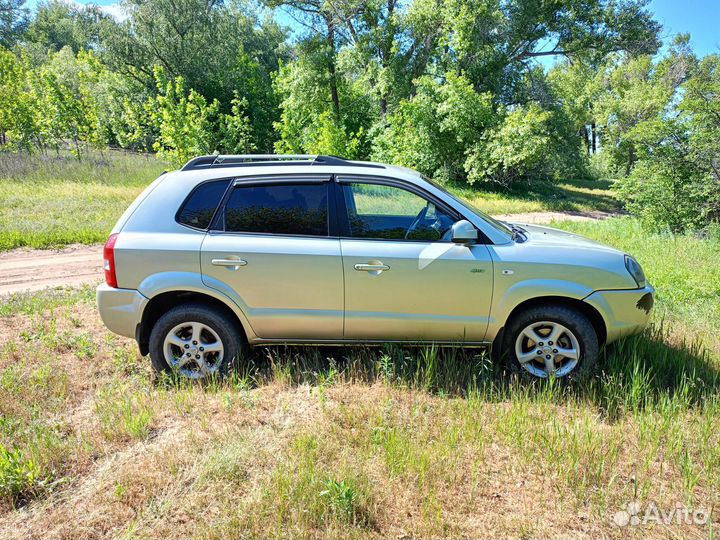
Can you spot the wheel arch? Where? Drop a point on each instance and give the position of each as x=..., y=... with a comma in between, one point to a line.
x=593, y=315
x=161, y=303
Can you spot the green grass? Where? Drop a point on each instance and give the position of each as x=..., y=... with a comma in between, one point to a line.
x=566, y=196
x=31, y=303
x=53, y=200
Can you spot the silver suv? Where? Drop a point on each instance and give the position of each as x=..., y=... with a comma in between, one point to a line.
x=232, y=251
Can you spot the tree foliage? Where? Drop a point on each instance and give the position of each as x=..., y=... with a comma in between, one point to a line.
x=218, y=49
x=54, y=104
x=13, y=21
x=58, y=24
x=675, y=183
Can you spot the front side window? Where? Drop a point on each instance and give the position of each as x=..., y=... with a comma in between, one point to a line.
x=393, y=213
x=200, y=206
x=278, y=209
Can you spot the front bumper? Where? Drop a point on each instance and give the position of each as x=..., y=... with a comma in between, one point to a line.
x=120, y=309
x=625, y=312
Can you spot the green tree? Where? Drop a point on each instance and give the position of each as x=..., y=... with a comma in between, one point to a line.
x=530, y=143
x=13, y=21
x=676, y=182
x=58, y=24
x=308, y=120
x=218, y=49
x=183, y=120
x=381, y=69
x=577, y=89
x=235, y=129
x=636, y=91
x=18, y=127
x=66, y=108
x=433, y=130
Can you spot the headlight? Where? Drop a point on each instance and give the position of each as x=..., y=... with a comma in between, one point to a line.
x=635, y=270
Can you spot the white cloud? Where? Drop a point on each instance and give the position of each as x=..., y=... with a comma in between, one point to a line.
x=115, y=10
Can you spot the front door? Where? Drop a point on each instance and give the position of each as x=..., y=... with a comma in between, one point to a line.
x=404, y=278
x=273, y=249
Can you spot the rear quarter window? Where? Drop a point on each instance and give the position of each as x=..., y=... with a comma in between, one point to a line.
x=199, y=208
x=300, y=209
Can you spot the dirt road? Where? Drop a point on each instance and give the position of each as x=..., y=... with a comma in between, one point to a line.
x=37, y=269
x=539, y=218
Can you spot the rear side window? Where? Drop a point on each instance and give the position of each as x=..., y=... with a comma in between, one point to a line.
x=278, y=209
x=200, y=206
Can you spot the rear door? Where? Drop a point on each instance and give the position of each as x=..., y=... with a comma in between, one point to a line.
x=404, y=278
x=271, y=244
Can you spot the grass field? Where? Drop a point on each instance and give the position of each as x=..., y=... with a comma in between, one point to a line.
x=332, y=442
x=342, y=443
x=53, y=200
x=570, y=196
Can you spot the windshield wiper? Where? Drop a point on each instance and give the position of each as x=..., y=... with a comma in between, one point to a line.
x=518, y=233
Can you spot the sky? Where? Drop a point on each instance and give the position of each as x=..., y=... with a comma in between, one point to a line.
x=698, y=17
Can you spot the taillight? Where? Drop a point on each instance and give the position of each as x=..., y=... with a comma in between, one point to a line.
x=109, y=261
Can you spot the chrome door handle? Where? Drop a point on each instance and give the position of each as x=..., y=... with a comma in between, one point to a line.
x=237, y=263
x=372, y=267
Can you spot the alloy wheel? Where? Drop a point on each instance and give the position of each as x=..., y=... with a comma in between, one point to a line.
x=194, y=350
x=546, y=349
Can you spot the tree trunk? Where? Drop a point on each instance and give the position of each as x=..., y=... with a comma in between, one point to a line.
x=631, y=160
x=593, y=143
x=386, y=51
x=586, y=138
x=331, y=67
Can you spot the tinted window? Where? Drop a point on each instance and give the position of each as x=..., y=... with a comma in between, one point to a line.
x=199, y=208
x=279, y=209
x=377, y=211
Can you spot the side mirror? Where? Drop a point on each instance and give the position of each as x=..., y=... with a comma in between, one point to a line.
x=464, y=232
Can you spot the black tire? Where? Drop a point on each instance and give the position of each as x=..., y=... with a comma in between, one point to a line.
x=227, y=329
x=568, y=317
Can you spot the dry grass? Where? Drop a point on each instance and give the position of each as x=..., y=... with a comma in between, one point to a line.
x=338, y=443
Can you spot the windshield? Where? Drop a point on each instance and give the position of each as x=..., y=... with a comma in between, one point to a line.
x=499, y=225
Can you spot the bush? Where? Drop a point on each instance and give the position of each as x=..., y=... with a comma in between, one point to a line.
x=531, y=142
x=451, y=132
x=675, y=183
x=664, y=196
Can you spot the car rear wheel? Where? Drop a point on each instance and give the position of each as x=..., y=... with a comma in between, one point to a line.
x=551, y=341
x=196, y=342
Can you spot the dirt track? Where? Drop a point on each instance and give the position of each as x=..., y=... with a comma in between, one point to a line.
x=539, y=218
x=36, y=269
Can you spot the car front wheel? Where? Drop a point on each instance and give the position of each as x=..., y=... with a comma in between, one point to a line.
x=551, y=341
x=195, y=341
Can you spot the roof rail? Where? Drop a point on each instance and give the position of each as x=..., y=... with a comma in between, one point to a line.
x=240, y=160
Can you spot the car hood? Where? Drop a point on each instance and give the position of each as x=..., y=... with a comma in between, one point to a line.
x=549, y=237
x=553, y=254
